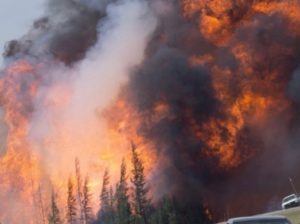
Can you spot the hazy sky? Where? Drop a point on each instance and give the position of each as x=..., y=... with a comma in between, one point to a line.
x=16, y=16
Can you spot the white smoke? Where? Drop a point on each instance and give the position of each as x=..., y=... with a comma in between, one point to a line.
x=72, y=90
x=67, y=122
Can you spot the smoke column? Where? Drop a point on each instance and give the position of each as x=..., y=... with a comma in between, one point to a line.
x=57, y=80
x=208, y=90
x=217, y=97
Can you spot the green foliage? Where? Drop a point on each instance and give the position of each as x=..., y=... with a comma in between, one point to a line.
x=137, y=219
x=123, y=212
x=141, y=203
x=164, y=213
x=106, y=213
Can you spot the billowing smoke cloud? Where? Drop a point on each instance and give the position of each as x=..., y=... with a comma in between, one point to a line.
x=65, y=33
x=223, y=72
x=94, y=81
x=212, y=87
x=58, y=79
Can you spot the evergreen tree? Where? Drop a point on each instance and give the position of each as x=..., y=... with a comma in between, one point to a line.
x=71, y=203
x=86, y=203
x=112, y=205
x=104, y=197
x=141, y=203
x=122, y=198
x=105, y=213
x=164, y=213
x=54, y=216
x=79, y=190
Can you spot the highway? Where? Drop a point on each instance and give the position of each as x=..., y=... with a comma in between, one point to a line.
x=293, y=214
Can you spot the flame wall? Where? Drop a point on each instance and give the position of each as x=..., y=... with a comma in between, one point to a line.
x=225, y=74
x=217, y=95
x=57, y=80
x=208, y=90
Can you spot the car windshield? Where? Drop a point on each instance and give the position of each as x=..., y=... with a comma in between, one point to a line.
x=289, y=197
x=262, y=222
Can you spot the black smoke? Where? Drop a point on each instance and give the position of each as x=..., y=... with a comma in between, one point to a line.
x=65, y=33
x=168, y=76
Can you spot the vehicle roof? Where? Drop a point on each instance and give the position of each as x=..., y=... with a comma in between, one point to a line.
x=291, y=195
x=250, y=218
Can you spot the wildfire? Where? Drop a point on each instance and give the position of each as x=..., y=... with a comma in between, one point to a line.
x=249, y=89
x=218, y=22
x=19, y=167
x=24, y=167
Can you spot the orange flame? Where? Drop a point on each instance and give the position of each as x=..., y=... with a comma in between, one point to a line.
x=23, y=169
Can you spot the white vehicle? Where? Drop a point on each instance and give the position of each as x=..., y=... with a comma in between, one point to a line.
x=290, y=201
x=274, y=219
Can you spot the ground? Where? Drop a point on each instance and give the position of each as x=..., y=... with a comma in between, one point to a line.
x=293, y=214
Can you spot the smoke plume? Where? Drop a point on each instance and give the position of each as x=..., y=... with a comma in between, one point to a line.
x=217, y=95
x=208, y=90
x=57, y=79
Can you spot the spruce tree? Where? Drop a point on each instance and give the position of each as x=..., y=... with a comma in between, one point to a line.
x=54, y=216
x=105, y=213
x=104, y=197
x=122, y=198
x=141, y=203
x=86, y=203
x=71, y=204
x=167, y=213
x=112, y=205
x=79, y=190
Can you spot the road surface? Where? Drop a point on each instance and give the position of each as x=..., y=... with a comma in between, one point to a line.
x=293, y=214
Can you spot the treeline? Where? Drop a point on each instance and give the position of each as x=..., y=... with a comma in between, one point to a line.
x=123, y=204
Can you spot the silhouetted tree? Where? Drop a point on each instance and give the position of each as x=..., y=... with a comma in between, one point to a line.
x=54, y=216
x=164, y=213
x=112, y=205
x=86, y=203
x=141, y=203
x=105, y=213
x=79, y=190
x=122, y=198
x=71, y=204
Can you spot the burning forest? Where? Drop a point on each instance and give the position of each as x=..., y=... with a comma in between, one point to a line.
x=170, y=111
